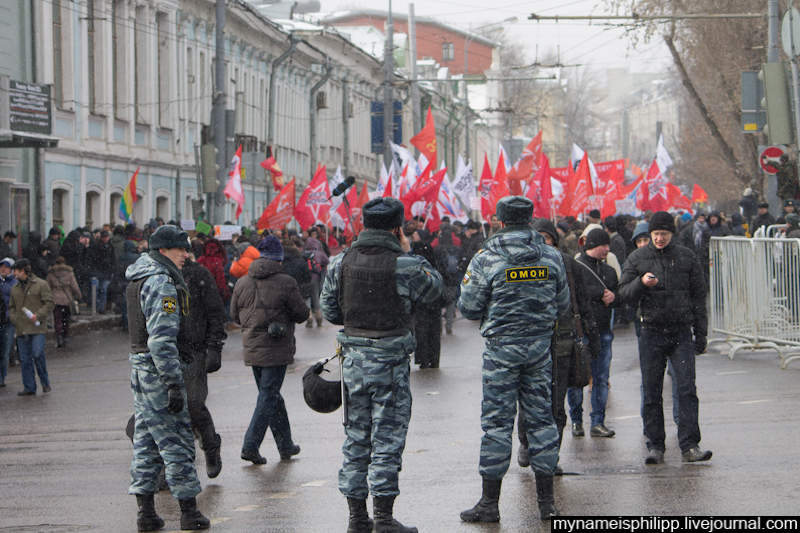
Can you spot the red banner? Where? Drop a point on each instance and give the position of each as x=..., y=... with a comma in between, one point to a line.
x=314, y=205
x=425, y=140
x=280, y=211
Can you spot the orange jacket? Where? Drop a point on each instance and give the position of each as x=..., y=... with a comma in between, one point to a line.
x=240, y=267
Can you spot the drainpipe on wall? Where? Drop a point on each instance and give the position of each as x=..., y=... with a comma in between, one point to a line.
x=312, y=117
x=272, y=96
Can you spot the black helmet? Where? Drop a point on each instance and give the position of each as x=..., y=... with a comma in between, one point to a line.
x=321, y=395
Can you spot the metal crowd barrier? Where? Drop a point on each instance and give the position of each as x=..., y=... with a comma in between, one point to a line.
x=755, y=294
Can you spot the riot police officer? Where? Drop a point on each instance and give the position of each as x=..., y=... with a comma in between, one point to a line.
x=516, y=285
x=157, y=296
x=371, y=289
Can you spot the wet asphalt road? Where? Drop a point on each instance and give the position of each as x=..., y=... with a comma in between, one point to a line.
x=64, y=456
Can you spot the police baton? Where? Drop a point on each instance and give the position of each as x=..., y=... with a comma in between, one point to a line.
x=340, y=355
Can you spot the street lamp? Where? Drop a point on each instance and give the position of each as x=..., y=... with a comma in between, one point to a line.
x=508, y=20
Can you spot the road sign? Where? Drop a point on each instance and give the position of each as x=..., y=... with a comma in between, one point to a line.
x=768, y=157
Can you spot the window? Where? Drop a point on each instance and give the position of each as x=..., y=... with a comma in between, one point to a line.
x=162, y=207
x=93, y=216
x=58, y=66
x=164, y=71
x=119, y=70
x=142, y=63
x=60, y=207
x=448, y=52
x=113, y=214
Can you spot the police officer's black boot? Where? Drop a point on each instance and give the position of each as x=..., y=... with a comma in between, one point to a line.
x=360, y=521
x=544, y=495
x=384, y=521
x=147, y=519
x=214, y=459
x=486, y=510
x=191, y=518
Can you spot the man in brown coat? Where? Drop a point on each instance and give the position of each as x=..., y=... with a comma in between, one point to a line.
x=28, y=308
x=267, y=304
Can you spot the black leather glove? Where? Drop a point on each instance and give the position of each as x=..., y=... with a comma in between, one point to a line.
x=175, y=396
x=213, y=359
x=699, y=345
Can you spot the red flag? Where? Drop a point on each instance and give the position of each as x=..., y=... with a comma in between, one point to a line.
x=500, y=183
x=654, y=190
x=676, y=198
x=425, y=140
x=610, y=170
x=271, y=166
x=280, y=211
x=699, y=196
x=233, y=189
x=426, y=189
x=540, y=191
x=612, y=193
x=356, y=201
x=534, y=148
x=527, y=166
x=387, y=191
x=314, y=205
x=577, y=196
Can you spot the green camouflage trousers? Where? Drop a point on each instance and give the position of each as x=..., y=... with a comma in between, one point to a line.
x=379, y=408
x=511, y=372
x=158, y=435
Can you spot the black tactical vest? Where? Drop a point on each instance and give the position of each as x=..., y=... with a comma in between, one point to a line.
x=137, y=325
x=368, y=294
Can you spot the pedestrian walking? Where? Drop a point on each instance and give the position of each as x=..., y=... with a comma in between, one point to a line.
x=157, y=298
x=29, y=306
x=600, y=281
x=668, y=283
x=318, y=262
x=64, y=287
x=571, y=327
x=7, y=281
x=371, y=289
x=267, y=304
x=102, y=263
x=200, y=341
x=516, y=286
x=448, y=257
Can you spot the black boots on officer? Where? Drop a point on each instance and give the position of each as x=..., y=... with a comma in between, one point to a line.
x=487, y=508
x=360, y=522
x=214, y=459
x=544, y=496
x=146, y=518
x=384, y=521
x=191, y=518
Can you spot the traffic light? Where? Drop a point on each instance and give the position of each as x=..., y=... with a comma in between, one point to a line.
x=210, y=168
x=776, y=101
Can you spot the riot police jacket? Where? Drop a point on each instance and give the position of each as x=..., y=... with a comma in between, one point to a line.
x=679, y=298
x=368, y=295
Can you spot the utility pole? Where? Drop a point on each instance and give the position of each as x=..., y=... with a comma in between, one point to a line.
x=388, y=96
x=215, y=201
x=466, y=99
x=772, y=31
x=416, y=118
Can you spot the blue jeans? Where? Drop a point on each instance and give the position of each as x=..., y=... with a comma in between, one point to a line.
x=270, y=410
x=601, y=367
x=6, y=343
x=102, y=293
x=31, y=353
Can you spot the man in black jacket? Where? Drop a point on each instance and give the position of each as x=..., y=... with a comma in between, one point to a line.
x=667, y=280
x=600, y=282
x=200, y=341
x=762, y=219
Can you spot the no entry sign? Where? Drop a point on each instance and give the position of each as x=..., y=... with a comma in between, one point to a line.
x=769, y=157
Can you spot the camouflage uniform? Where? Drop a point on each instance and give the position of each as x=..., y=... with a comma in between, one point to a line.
x=516, y=286
x=158, y=433
x=376, y=373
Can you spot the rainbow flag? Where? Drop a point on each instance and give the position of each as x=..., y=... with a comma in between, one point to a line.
x=128, y=199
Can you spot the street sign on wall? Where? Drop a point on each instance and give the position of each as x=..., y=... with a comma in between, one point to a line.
x=29, y=107
x=768, y=157
x=376, y=116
